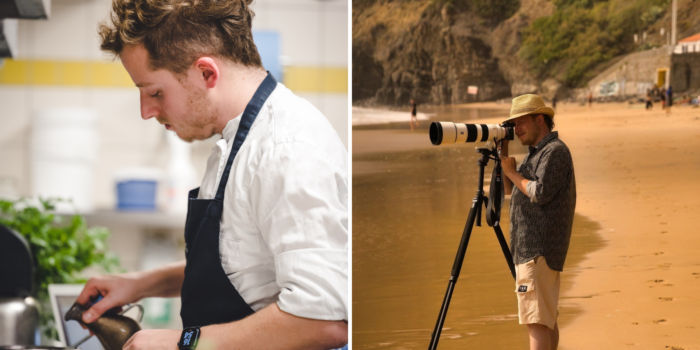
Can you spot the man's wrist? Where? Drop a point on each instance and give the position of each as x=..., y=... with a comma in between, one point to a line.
x=141, y=281
x=189, y=338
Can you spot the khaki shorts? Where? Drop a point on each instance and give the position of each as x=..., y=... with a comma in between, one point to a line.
x=537, y=287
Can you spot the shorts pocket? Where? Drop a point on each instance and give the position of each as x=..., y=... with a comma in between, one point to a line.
x=528, y=306
x=525, y=286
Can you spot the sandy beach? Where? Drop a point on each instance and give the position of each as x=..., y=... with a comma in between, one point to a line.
x=634, y=172
x=633, y=271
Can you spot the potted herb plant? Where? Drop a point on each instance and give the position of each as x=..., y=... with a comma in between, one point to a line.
x=63, y=246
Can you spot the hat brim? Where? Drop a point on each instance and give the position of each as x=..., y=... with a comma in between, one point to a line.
x=542, y=110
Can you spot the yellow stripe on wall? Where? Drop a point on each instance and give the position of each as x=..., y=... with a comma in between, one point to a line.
x=106, y=74
x=313, y=79
x=64, y=73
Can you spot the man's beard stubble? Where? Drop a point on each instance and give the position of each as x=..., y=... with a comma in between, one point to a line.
x=203, y=116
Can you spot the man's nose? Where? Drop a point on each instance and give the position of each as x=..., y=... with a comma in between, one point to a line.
x=148, y=109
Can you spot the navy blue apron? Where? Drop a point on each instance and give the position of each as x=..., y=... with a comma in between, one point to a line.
x=208, y=297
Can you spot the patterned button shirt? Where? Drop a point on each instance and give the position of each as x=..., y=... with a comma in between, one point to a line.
x=540, y=225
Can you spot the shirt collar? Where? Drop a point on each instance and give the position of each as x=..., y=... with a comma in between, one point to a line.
x=551, y=136
x=231, y=128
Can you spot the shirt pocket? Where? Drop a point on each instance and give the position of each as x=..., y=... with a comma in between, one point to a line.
x=230, y=253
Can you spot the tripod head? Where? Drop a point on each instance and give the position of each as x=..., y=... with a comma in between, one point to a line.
x=491, y=151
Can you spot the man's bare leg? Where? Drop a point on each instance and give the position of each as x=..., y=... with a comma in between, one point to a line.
x=540, y=337
x=554, y=337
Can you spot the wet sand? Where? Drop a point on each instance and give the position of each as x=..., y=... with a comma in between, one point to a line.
x=635, y=173
x=410, y=201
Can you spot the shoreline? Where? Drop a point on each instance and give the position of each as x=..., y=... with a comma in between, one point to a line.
x=376, y=152
x=637, y=288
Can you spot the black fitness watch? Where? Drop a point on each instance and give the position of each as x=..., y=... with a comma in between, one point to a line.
x=189, y=338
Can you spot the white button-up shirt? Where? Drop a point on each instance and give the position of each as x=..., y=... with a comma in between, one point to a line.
x=284, y=227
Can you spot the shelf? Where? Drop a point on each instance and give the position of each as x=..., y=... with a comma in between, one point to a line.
x=141, y=219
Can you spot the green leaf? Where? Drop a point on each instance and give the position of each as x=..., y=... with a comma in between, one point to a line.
x=62, y=249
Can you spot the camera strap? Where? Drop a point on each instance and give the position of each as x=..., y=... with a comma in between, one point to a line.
x=496, y=196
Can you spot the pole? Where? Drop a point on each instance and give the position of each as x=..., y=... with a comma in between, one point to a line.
x=674, y=14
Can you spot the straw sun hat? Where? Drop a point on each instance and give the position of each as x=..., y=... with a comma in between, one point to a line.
x=528, y=104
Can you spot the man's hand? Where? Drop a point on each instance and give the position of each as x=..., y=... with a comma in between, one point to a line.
x=508, y=164
x=116, y=291
x=512, y=177
x=119, y=290
x=153, y=339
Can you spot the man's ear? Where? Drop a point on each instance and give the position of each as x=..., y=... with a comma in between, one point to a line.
x=540, y=119
x=207, y=71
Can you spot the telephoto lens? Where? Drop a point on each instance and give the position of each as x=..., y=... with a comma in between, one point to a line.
x=446, y=133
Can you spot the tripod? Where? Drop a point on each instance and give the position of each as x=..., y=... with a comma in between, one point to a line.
x=493, y=219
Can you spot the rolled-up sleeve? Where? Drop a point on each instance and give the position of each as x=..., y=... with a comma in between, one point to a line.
x=532, y=191
x=299, y=202
x=552, y=174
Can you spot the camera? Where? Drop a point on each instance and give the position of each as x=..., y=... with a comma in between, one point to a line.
x=445, y=133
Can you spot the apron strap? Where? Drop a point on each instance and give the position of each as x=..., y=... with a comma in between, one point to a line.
x=251, y=111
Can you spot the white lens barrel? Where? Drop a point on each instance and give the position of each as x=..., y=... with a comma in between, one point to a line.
x=446, y=133
x=495, y=131
x=461, y=130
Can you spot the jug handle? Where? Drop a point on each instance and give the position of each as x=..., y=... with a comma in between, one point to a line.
x=131, y=306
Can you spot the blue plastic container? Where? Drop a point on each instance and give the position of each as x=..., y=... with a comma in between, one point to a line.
x=136, y=195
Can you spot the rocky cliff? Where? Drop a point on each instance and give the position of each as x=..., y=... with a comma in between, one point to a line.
x=433, y=50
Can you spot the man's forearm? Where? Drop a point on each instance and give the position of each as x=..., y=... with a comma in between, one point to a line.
x=272, y=328
x=507, y=185
x=518, y=180
x=164, y=282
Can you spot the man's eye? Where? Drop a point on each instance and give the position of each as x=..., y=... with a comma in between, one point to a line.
x=156, y=95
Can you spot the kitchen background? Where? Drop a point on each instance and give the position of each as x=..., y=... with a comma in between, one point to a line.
x=70, y=122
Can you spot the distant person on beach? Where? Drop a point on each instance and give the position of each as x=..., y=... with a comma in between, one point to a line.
x=669, y=99
x=662, y=95
x=647, y=99
x=414, y=110
x=541, y=216
x=590, y=99
x=554, y=102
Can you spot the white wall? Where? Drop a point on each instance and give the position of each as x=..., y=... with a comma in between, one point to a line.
x=313, y=33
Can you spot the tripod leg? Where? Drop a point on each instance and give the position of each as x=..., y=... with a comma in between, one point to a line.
x=504, y=248
x=456, y=268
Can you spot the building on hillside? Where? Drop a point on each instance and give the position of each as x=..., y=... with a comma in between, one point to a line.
x=690, y=44
x=634, y=74
x=685, y=64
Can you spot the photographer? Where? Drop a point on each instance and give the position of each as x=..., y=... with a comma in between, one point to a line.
x=541, y=216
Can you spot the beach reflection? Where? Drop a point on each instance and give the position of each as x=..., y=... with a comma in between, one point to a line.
x=410, y=203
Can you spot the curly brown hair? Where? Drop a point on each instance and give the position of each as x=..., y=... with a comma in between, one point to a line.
x=176, y=33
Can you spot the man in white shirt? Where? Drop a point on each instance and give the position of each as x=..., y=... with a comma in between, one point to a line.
x=266, y=247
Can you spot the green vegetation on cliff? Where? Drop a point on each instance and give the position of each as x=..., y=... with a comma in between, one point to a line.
x=582, y=34
x=495, y=11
